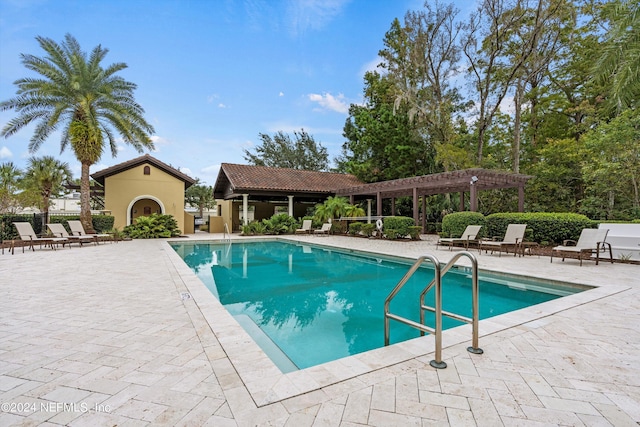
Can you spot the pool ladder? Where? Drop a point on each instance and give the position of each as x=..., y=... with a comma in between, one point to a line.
x=226, y=236
x=437, y=282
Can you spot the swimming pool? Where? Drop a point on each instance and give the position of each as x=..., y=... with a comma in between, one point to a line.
x=309, y=304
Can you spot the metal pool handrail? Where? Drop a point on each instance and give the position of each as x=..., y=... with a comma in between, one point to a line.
x=474, y=321
x=437, y=281
x=225, y=234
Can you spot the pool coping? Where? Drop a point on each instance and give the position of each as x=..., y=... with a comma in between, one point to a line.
x=266, y=384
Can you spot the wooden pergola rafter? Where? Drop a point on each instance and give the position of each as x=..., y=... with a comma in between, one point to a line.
x=461, y=181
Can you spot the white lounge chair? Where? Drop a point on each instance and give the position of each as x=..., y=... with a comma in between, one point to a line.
x=27, y=234
x=469, y=235
x=513, y=237
x=306, y=227
x=78, y=230
x=326, y=227
x=591, y=241
x=58, y=230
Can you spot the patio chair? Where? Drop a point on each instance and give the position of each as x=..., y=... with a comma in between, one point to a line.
x=469, y=235
x=26, y=233
x=513, y=237
x=78, y=230
x=591, y=241
x=306, y=227
x=58, y=230
x=326, y=227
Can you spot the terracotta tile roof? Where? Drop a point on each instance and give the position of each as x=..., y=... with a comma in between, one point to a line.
x=121, y=167
x=235, y=179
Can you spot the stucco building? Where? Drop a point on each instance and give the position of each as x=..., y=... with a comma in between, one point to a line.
x=143, y=186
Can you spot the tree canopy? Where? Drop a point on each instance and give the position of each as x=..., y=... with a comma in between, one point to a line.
x=280, y=151
x=542, y=87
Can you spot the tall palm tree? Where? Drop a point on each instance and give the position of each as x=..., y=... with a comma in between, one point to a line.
x=46, y=175
x=87, y=102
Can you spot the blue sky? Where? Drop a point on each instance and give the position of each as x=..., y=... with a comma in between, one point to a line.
x=211, y=74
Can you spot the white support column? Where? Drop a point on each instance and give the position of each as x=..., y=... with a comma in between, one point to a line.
x=290, y=205
x=245, y=209
x=368, y=211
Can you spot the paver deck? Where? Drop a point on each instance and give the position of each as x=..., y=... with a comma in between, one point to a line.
x=125, y=334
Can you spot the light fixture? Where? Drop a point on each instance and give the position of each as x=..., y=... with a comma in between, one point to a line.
x=474, y=179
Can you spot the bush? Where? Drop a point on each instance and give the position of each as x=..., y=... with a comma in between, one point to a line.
x=545, y=227
x=368, y=229
x=401, y=226
x=152, y=227
x=101, y=223
x=454, y=224
x=280, y=224
x=414, y=232
x=355, y=228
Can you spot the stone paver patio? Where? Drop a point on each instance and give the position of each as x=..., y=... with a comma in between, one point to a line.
x=125, y=334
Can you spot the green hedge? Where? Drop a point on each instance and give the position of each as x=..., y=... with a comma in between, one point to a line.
x=396, y=227
x=454, y=224
x=546, y=228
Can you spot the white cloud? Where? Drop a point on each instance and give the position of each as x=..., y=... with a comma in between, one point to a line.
x=185, y=171
x=330, y=102
x=5, y=153
x=312, y=14
x=371, y=66
x=221, y=105
x=281, y=94
x=212, y=98
x=210, y=173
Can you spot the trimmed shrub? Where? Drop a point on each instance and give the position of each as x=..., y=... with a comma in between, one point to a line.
x=368, y=229
x=152, y=227
x=454, y=224
x=355, y=228
x=399, y=224
x=545, y=227
x=414, y=232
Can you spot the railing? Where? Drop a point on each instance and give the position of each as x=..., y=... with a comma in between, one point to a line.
x=437, y=282
x=225, y=234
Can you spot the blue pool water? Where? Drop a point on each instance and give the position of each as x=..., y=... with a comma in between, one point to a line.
x=306, y=305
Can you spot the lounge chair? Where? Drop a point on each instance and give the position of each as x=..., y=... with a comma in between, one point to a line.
x=469, y=235
x=306, y=227
x=326, y=227
x=513, y=237
x=26, y=233
x=78, y=230
x=58, y=230
x=591, y=241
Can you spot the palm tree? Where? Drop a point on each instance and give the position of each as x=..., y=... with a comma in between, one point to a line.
x=87, y=102
x=10, y=177
x=46, y=175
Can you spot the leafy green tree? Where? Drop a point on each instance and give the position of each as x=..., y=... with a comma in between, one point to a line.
x=200, y=196
x=382, y=143
x=613, y=170
x=46, y=175
x=88, y=102
x=280, y=151
x=619, y=60
x=10, y=177
x=422, y=58
x=495, y=57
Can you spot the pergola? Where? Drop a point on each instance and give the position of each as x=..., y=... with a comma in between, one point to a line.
x=461, y=181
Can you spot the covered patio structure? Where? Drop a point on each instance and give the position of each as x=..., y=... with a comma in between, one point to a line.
x=461, y=181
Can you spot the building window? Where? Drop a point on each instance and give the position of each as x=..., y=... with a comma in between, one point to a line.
x=147, y=170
